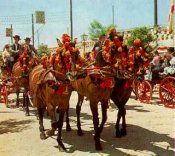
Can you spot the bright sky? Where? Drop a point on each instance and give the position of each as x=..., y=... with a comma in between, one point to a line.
x=128, y=14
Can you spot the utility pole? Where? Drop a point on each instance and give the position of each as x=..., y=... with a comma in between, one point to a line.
x=33, y=30
x=11, y=33
x=38, y=37
x=155, y=20
x=71, y=20
x=113, y=14
x=155, y=12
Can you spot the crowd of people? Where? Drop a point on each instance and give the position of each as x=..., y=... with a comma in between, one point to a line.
x=162, y=65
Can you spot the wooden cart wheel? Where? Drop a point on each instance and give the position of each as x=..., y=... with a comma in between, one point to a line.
x=167, y=92
x=4, y=93
x=144, y=91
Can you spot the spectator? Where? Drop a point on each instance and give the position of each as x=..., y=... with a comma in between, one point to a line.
x=156, y=58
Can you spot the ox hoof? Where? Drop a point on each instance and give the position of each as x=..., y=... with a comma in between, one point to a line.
x=27, y=114
x=123, y=132
x=43, y=136
x=50, y=132
x=118, y=134
x=68, y=128
x=61, y=146
x=98, y=147
x=80, y=132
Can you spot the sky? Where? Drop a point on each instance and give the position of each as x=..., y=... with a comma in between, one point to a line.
x=127, y=14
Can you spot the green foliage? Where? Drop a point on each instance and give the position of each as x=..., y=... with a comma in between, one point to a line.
x=43, y=49
x=96, y=29
x=144, y=35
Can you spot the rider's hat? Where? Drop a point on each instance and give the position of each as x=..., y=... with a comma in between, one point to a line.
x=17, y=36
x=27, y=38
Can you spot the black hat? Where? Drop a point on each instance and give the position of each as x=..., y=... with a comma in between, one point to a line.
x=27, y=38
x=17, y=36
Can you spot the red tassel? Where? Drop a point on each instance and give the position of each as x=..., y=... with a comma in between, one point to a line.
x=127, y=84
x=60, y=90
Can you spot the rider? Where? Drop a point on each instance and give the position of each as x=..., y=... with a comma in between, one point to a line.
x=98, y=46
x=7, y=57
x=16, y=47
x=31, y=51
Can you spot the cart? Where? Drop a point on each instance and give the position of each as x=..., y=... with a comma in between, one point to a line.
x=144, y=90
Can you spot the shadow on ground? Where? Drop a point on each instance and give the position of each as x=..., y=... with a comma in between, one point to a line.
x=138, y=139
x=14, y=126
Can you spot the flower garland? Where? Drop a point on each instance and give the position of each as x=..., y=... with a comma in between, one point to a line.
x=138, y=58
x=63, y=56
x=25, y=62
x=116, y=53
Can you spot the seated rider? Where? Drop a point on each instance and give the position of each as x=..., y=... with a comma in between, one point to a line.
x=7, y=57
x=31, y=51
x=16, y=47
x=98, y=46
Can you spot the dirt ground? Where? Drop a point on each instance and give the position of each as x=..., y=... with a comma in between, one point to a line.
x=150, y=129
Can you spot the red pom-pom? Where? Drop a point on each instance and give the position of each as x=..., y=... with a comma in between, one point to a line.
x=124, y=63
x=66, y=45
x=107, y=43
x=60, y=90
x=117, y=41
x=123, y=54
x=52, y=59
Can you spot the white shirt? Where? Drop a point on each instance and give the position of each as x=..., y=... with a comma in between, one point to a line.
x=16, y=47
x=5, y=55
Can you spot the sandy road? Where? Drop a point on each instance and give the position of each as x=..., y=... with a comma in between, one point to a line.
x=150, y=128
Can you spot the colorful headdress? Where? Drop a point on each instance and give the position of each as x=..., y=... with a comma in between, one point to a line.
x=66, y=38
x=111, y=29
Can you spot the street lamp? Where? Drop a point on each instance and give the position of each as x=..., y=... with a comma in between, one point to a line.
x=84, y=38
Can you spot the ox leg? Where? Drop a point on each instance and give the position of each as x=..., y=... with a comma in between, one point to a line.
x=24, y=101
x=59, y=136
x=104, y=107
x=17, y=98
x=94, y=109
x=51, y=111
x=68, y=128
x=41, y=126
x=117, y=126
x=123, y=129
x=78, y=110
x=27, y=106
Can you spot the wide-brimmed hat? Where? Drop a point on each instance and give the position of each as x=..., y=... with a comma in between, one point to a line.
x=27, y=38
x=17, y=36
